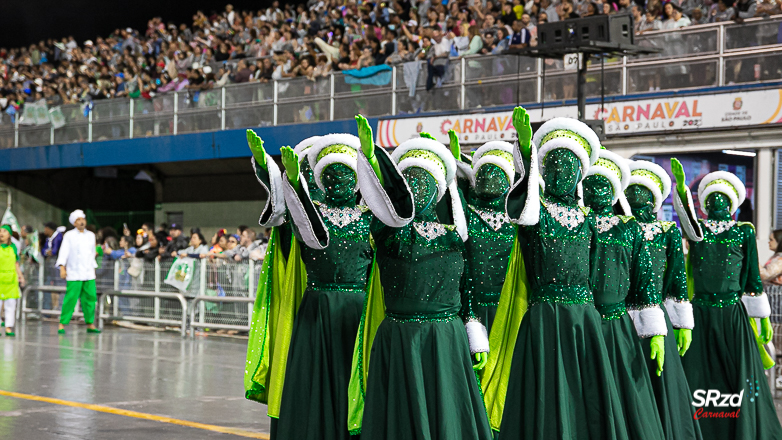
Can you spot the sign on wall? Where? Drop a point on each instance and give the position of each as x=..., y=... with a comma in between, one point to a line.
x=670, y=114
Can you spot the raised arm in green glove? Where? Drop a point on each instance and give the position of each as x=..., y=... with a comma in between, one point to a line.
x=683, y=340
x=524, y=131
x=368, y=144
x=290, y=160
x=766, y=330
x=456, y=150
x=681, y=184
x=256, y=146
x=658, y=352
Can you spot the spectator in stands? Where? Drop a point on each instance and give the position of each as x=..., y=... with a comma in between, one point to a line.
x=177, y=242
x=723, y=12
x=53, y=241
x=675, y=19
x=197, y=247
x=650, y=23
x=150, y=251
x=243, y=73
x=521, y=37
x=771, y=272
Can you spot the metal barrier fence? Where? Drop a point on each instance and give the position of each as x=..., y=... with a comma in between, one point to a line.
x=699, y=56
x=219, y=296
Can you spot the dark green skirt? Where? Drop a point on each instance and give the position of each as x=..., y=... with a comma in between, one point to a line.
x=315, y=395
x=561, y=383
x=632, y=379
x=724, y=357
x=421, y=384
x=671, y=390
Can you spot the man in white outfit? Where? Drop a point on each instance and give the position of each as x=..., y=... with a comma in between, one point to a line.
x=77, y=264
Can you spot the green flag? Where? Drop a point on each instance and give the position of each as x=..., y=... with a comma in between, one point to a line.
x=10, y=219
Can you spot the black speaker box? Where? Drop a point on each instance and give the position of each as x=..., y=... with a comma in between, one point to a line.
x=616, y=29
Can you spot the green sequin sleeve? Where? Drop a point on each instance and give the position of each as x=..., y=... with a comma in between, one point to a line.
x=750, y=271
x=675, y=278
x=642, y=292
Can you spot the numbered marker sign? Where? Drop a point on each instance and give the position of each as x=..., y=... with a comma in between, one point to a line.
x=572, y=61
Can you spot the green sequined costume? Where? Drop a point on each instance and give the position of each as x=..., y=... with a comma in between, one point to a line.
x=486, y=256
x=421, y=384
x=724, y=354
x=671, y=389
x=338, y=258
x=622, y=282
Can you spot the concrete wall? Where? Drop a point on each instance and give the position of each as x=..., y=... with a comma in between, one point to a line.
x=211, y=216
x=29, y=210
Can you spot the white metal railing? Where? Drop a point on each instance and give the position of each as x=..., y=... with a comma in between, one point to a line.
x=711, y=55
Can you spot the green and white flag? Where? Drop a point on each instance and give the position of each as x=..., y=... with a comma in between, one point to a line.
x=181, y=273
x=10, y=219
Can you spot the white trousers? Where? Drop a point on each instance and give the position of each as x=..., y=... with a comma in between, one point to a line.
x=9, y=306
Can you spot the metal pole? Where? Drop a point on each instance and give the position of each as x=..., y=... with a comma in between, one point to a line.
x=721, y=64
x=539, y=88
x=274, y=121
x=176, y=111
x=581, y=87
x=462, y=88
x=16, y=131
x=130, y=133
x=116, y=275
x=222, y=108
x=331, y=96
x=89, y=121
x=157, y=288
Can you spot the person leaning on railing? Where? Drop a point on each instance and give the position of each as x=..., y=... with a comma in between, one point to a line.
x=771, y=272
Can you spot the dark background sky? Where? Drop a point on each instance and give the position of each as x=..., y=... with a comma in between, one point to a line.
x=28, y=21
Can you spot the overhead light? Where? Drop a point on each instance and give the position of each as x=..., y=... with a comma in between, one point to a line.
x=740, y=153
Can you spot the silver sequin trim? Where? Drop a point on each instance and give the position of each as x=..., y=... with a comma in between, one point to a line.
x=651, y=230
x=495, y=219
x=341, y=217
x=429, y=230
x=718, y=226
x=606, y=223
x=565, y=215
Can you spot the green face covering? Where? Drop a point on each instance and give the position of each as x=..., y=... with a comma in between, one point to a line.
x=718, y=205
x=340, y=183
x=598, y=193
x=639, y=197
x=562, y=172
x=491, y=182
x=424, y=189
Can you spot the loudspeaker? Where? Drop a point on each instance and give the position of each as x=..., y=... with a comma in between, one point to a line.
x=577, y=32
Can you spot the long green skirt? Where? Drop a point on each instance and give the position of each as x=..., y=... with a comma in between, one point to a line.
x=632, y=379
x=724, y=357
x=561, y=383
x=671, y=390
x=315, y=394
x=421, y=384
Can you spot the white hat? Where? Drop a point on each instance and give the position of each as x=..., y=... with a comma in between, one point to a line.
x=330, y=149
x=570, y=134
x=722, y=182
x=429, y=155
x=652, y=177
x=303, y=146
x=498, y=153
x=614, y=168
x=75, y=215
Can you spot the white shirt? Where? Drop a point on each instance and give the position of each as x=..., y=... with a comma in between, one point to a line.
x=77, y=254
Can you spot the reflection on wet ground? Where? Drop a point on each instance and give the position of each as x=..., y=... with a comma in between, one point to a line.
x=154, y=373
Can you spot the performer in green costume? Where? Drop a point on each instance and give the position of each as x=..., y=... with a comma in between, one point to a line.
x=490, y=232
x=726, y=352
x=649, y=187
x=338, y=259
x=279, y=294
x=421, y=384
x=316, y=194
x=560, y=383
x=10, y=278
x=623, y=282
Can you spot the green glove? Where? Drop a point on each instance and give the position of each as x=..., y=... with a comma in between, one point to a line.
x=426, y=135
x=290, y=160
x=368, y=144
x=766, y=330
x=455, y=149
x=523, y=131
x=256, y=146
x=481, y=359
x=681, y=186
x=658, y=352
x=683, y=340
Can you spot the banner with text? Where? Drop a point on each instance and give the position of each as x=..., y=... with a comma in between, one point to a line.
x=670, y=114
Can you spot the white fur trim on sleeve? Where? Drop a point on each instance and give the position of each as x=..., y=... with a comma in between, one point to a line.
x=300, y=218
x=649, y=321
x=530, y=215
x=464, y=171
x=692, y=229
x=736, y=200
x=375, y=197
x=757, y=306
x=624, y=204
x=680, y=313
x=274, y=209
x=477, y=336
x=459, y=219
